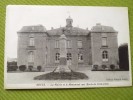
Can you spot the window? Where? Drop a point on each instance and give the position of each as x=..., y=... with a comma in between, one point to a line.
x=105, y=56
x=69, y=56
x=31, y=56
x=68, y=44
x=31, y=35
x=57, y=44
x=79, y=44
x=31, y=41
x=104, y=41
x=57, y=57
x=104, y=35
x=80, y=57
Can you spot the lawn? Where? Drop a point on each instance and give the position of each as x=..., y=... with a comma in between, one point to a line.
x=62, y=76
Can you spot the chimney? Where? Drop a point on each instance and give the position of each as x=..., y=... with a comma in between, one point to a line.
x=52, y=28
x=98, y=24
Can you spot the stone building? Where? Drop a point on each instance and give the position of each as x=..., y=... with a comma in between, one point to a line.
x=97, y=47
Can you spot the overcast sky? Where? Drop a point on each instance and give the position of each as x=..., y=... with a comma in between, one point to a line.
x=55, y=16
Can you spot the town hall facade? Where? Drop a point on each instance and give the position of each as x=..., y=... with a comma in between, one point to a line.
x=96, y=48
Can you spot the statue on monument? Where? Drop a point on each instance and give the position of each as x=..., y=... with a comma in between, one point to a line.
x=63, y=67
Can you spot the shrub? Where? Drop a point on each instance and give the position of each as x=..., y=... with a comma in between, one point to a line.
x=30, y=68
x=12, y=68
x=104, y=67
x=22, y=67
x=39, y=68
x=95, y=67
x=112, y=66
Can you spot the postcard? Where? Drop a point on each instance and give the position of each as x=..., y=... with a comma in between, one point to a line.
x=52, y=47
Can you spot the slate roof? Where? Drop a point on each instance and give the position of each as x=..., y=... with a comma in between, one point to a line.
x=102, y=28
x=35, y=28
x=68, y=31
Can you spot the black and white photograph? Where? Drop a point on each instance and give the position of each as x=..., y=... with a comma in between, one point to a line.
x=51, y=47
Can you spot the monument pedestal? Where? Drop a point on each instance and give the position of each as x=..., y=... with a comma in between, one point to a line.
x=63, y=67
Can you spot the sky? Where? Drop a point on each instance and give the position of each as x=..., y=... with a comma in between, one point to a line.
x=55, y=16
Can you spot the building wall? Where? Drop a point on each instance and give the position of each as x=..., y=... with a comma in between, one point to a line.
x=40, y=52
x=97, y=49
x=73, y=50
x=113, y=43
x=22, y=51
x=39, y=49
x=96, y=45
x=45, y=51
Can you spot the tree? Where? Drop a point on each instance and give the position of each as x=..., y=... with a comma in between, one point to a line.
x=112, y=66
x=22, y=67
x=95, y=67
x=12, y=66
x=123, y=57
x=30, y=68
x=104, y=66
x=39, y=68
